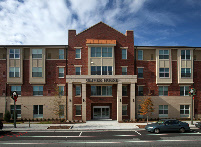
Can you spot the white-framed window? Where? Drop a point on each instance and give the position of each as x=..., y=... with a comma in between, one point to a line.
x=14, y=72
x=124, y=53
x=37, y=53
x=185, y=72
x=78, y=70
x=14, y=53
x=184, y=90
x=140, y=54
x=140, y=72
x=95, y=51
x=37, y=111
x=124, y=109
x=184, y=110
x=106, y=51
x=124, y=70
x=61, y=53
x=61, y=111
x=140, y=91
x=18, y=110
x=38, y=90
x=61, y=90
x=106, y=70
x=163, y=54
x=163, y=110
x=17, y=89
x=163, y=90
x=61, y=72
x=78, y=53
x=78, y=110
x=95, y=70
x=78, y=90
x=163, y=72
x=36, y=71
x=185, y=55
x=124, y=91
x=101, y=90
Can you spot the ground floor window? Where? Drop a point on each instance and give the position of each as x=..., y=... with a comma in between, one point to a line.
x=61, y=111
x=101, y=90
x=78, y=110
x=124, y=109
x=184, y=111
x=139, y=112
x=78, y=90
x=18, y=110
x=124, y=90
x=163, y=110
x=38, y=111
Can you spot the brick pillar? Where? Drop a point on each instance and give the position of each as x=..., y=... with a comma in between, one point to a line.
x=132, y=101
x=119, y=102
x=84, y=102
x=70, y=101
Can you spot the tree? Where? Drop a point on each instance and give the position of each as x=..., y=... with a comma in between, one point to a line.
x=147, y=106
x=7, y=116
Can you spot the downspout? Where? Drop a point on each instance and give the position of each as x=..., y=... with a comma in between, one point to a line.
x=66, y=84
x=6, y=85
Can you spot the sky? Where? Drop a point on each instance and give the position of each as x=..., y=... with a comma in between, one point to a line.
x=155, y=22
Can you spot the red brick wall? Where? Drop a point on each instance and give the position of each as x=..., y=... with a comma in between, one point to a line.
x=3, y=76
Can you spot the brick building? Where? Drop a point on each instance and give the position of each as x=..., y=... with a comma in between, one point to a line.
x=100, y=74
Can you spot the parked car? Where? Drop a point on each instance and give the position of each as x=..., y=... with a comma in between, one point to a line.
x=168, y=125
x=198, y=124
x=1, y=125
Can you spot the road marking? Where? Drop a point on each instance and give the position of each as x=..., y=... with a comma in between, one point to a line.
x=198, y=133
x=157, y=134
x=90, y=142
x=80, y=133
x=139, y=141
x=124, y=135
x=56, y=136
x=177, y=140
x=138, y=132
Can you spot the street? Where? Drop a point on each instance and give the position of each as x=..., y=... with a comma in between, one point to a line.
x=137, y=137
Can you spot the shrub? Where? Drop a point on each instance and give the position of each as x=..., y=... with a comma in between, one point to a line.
x=36, y=119
x=45, y=119
x=48, y=119
x=22, y=119
x=32, y=119
x=7, y=116
x=52, y=119
x=41, y=119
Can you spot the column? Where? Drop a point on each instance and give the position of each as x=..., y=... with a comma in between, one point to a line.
x=119, y=102
x=70, y=101
x=84, y=102
x=132, y=101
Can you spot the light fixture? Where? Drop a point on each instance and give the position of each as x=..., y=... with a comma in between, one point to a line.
x=133, y=100
x=120, y=100
x=83, y=100
x=92, y=62
x=70, y=100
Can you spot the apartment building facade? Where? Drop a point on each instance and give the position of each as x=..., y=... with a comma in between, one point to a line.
x=100, y=74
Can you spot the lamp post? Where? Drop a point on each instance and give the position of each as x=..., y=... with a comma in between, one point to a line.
x=14, y=97
x=192, y=93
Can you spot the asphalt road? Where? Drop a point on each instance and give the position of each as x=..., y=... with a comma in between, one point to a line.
x=100, y=138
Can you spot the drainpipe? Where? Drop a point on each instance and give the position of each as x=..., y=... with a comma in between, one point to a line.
x=66, y=83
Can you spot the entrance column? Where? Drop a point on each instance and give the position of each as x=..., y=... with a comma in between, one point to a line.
x=119, y=102
x=70, y=101
x=132, y=101
x=84, y=102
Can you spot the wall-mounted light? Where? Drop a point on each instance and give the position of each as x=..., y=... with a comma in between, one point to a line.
x=120, y=100
x=83, y=100
x=92, y=62
x=133, y=100
x=70, y=100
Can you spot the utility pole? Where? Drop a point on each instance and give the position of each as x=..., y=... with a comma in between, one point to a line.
x=192, y=93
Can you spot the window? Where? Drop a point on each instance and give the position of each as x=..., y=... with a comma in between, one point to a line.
x=14, y=72
x=106, y=70
x=185, y=54
x=37, y=90
x=163, y=54
x=37, y=53
x=78, y=70
x=61, y=72
x=124, y=53
x=38, y=111
x=78, y=54
x=61, y=111
x=36, y=71
x=106, y=52
x=184, y=111
x=17, y=89
x=163, y=90
x=124, y=109
x=78, y=90
x=101, y=90
x=95, y=51
x=95, y=70
x=61, y=53
x=18, y=110
x=140, y=90
x=78, y=110
x=185, y=72
x=14, y=53
x=140, y=72
x=184, y=90
x=163, y=110
x=61, y=90
x=163, y=72
x=124, y=90
x=140, y=54
x=124, y=70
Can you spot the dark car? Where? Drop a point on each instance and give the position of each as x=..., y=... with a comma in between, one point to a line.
x=1, y=125
x=168, y=125
x=198, y=124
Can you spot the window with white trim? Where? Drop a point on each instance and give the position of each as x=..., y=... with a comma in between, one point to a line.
x=14, y=72
x=36, y=53
x=37, y=111
x=106, y=70
x=184, y=110
x=185, y=55
x=163, y=110
x=140, y=54
x=124, y=91
x=163, y=54
x=106, y=51
x=78, y=70
x=78, y=90
x=61, y=53
x=124, y=70
x=163, y=90
x=17, y=89
x=78, y=53
x=36, y=71
x=61, y=72
x=78, y=110
x=18, y=110
x=101, y=90
x=38, y=90
x=185, y=72
x=124, y=53
x=124, y=109
x=140, y=91
x=61, y=90
x=184, y=90
x=140, y=72
x=163, y=72
x=14, y=53
x=95, y=70
x=95, y=51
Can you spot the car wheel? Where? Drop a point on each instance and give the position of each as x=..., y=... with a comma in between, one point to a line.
x=181, y=130
x=157, y=131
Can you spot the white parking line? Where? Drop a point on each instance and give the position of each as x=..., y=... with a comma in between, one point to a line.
x=80, y=133
x=138, y=133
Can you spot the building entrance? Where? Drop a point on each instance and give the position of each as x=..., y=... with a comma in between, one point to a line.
x=101, y=112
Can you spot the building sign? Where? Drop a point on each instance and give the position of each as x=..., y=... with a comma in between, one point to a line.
x=102, y=80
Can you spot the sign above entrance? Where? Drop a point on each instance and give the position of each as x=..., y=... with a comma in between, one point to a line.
x=102, y=80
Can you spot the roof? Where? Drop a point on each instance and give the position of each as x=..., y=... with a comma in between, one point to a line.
x=50, y=46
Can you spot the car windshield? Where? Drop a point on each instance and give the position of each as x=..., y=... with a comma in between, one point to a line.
x=161, y=122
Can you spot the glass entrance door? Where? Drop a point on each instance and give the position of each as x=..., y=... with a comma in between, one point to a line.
x=100, y=112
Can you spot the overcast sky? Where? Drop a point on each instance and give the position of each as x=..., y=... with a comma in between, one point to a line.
x=155, y=22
